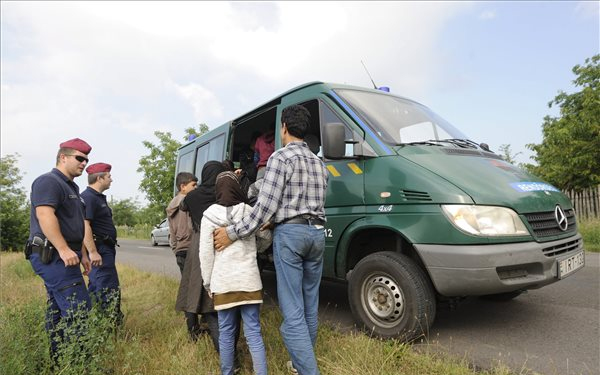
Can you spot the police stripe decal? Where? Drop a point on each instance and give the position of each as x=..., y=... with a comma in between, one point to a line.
x=355, y=168
x=333, y=171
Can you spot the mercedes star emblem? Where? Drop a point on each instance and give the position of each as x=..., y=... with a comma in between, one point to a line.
x=561, y=218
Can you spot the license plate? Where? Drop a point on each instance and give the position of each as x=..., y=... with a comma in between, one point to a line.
x=571, y=264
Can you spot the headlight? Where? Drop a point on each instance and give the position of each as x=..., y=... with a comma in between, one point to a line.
x=485, y=220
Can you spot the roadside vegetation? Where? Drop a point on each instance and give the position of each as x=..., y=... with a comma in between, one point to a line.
x=154, y=339
x=135, y=232
x=590, y=230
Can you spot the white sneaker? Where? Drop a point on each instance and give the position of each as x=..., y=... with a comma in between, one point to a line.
x=291, y=368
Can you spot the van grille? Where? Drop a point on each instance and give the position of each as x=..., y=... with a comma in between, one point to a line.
x=553, y=251
x=544, y=223
x=409, y=195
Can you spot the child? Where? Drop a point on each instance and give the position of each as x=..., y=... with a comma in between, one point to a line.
x=231, y=276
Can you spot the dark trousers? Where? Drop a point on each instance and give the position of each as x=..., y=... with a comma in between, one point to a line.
x=191, y=319
x=104, y=283
x=68, y=299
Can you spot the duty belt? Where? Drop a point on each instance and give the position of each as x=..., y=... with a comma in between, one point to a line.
x=75, y=246
x=105, y=239
x=45, y=249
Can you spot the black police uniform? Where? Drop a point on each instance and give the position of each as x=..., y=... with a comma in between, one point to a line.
x=64, y=285
x=104, y=280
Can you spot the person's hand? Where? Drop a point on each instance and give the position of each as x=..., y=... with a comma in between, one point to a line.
x=87, y=265
x=238, y=172
x=95, y=259
x=221, y=239
x=266, y=226
x=69, y=257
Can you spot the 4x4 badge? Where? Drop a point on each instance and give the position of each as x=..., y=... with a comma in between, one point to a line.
x=561, y=218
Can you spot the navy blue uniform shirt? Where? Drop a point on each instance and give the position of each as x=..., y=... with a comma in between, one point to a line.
x=99, y=213
x=56, y=190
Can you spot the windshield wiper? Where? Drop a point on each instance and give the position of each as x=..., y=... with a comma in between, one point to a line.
x=462, y=143
x=428, y=143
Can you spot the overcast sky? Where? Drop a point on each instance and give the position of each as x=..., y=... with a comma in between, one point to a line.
x=112, y=73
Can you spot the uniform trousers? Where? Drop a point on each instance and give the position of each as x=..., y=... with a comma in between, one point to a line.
x=68, y=298
x=104, y=283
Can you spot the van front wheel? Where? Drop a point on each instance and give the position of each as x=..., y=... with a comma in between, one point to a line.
x=390, y=296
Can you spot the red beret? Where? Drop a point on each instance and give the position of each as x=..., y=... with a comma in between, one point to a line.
x=77, y=144
x=98, y=168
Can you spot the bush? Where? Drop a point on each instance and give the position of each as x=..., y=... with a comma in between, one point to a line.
x=136, y=232
x=590, y=230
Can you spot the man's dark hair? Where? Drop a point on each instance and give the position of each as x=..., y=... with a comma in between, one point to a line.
x=297, y=120
x=184, y=178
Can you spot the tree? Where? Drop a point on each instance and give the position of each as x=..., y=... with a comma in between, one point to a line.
x=507, y=154
x=159, y=169
x=14, y=208
x=569, y=155
x=202, y=129
x=125, y=212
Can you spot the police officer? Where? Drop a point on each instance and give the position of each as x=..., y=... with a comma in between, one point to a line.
x=104, y=280
x=56, y=237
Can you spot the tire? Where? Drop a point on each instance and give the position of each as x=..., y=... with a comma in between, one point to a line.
x=503, y=297
x=391, y=297
x=153, y=241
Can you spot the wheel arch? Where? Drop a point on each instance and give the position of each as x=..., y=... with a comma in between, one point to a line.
x=357, y=243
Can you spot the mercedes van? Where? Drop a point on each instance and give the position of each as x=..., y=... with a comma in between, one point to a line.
x=416, y=212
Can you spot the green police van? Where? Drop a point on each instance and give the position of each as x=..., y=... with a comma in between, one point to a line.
x=416, y=212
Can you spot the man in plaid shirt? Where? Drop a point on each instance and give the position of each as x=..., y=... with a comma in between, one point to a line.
x=292, y=197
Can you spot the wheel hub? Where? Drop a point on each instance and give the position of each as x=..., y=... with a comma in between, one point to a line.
x=383, y=298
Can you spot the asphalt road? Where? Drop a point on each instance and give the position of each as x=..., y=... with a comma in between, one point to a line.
x=552, y=330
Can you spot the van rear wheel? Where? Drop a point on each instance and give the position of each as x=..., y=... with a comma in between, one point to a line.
x=390, y=296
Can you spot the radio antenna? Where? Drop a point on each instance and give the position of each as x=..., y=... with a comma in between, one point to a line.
x=366, y=70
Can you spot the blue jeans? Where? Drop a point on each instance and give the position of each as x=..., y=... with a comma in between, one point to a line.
x=298, y=254
x=228, y=327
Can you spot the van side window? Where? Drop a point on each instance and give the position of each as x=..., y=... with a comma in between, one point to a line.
x=328, y=116
x=215, y=151
x=186, y=162
x=201, y=159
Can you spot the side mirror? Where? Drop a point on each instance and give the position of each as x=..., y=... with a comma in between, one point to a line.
x=334, y=145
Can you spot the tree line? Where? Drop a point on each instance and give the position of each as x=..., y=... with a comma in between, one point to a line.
x=568, y=157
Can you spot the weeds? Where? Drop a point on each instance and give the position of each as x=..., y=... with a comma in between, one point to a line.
x=154, y=340
x=590, y=230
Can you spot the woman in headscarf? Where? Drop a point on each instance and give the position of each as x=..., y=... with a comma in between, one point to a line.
x=192, y=298
x=232, y=277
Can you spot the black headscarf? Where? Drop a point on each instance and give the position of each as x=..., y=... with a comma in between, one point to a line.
x=228, y=190
x=199, y=199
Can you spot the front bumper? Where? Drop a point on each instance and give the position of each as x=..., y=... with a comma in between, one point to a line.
x=491, y=269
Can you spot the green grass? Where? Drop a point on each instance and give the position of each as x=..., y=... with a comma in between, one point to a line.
x=590, y=230
x=154, y=339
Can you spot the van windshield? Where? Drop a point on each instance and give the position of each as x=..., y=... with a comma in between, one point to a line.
x=402, y=121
